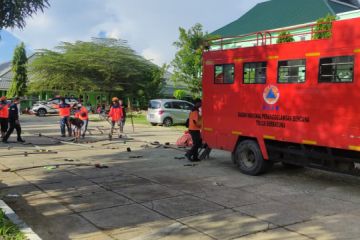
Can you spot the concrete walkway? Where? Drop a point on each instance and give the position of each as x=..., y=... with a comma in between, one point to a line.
x=148, y=194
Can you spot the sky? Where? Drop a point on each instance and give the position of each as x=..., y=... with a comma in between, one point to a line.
x=149, y=26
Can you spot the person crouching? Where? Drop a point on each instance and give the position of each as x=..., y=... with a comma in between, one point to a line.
x=82, y=113
x=76, y=125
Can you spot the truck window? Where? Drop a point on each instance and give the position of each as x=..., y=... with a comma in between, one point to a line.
x=292, y=71
x=224, y=74
x=336, y=69
x=254, y=73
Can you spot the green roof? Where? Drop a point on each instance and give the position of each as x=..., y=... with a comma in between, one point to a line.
x=281, y=13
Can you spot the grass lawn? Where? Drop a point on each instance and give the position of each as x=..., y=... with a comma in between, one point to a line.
x=139, y=118
x=8, y=230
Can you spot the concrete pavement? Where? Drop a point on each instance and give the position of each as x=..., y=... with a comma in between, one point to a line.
x=147, y=194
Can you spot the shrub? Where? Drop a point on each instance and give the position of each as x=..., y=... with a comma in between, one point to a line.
x=323, y=27
x=284, y=37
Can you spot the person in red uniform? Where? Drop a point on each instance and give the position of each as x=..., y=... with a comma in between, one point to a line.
x=64, y=112
x=4, y=115
x=116, y=114
x=195, y=123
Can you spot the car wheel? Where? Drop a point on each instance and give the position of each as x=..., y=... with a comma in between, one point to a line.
x=153, y=124
x=167, y=122
x=249, y=158
x=41, y=112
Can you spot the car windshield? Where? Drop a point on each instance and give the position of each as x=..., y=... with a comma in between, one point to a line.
x=154, y=104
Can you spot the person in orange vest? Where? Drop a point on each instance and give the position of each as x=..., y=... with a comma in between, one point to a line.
x=195, y=124
x=116, y=114
x=82, y=114
x=4, y=115
x=64, y=113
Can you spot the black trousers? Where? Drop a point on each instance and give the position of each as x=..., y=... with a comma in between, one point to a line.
x=4, y=124
x=197, y=141
x=13, y=125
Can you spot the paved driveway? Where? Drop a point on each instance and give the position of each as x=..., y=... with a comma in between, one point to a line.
x=148, y=194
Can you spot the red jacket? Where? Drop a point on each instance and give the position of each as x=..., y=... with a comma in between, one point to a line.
x=82, y=114
x=116, y=113
x=4, y=110
x=64, y=109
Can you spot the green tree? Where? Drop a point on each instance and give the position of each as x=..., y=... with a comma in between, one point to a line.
x=14, y=12
x=187, y=65
x=179, y=94
x=19, y=69
x=102, y=64
x=285, y=37
x=323, y=27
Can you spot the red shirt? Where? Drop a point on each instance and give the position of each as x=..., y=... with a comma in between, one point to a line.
x=194, y=121
x=83, y=114
x=4, y=110
x=116, y=113
x=64, y=109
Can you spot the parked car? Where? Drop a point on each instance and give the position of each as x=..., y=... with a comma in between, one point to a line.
x=42, y=108
x=167, y=112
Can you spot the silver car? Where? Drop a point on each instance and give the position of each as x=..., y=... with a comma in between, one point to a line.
x=168, y=111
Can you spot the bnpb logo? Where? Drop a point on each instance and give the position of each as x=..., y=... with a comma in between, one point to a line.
x=271, y=94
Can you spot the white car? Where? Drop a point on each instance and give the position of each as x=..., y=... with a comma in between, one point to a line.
x=167, y=112
x=42, y=108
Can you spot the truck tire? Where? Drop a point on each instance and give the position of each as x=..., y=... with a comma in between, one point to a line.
x=249, y=159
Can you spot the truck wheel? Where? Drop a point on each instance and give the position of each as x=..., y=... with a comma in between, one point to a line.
x=153, y=124
x=41, y=112
x=167, y=122
x=249, y=158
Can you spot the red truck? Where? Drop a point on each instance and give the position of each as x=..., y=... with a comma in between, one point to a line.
x=295, y=102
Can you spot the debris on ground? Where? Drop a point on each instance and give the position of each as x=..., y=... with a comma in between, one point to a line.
x=190, y=165
x=77, y=144
x=136, y=156
x=218, y=184
x=179, y=158
x=48, y=165
x=68, y=160
x=51, y=167
x=28, y=153
x=110, y=143
x=98, y=165
x=12, y=195
x=128, y=149
x=185, y=140
x=112, y=148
